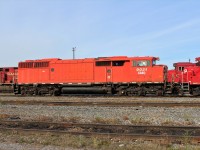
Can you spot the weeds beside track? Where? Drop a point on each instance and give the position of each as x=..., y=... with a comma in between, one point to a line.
x=166, y=134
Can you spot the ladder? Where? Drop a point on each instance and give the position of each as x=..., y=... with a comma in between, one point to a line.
x=185, y=86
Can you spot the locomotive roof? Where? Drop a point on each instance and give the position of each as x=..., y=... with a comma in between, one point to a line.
x=45, y=59
x=184, y=64
x=145, y=57
x=187, y=63
x=97, y=59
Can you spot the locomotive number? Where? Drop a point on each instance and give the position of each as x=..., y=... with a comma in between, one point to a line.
x=141, y=71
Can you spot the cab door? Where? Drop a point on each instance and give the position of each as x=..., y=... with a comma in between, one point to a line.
x=108, y=74
x=103, y=71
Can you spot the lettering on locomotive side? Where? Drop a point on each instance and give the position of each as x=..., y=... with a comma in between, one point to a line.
x=12, y=74
x=141, y=71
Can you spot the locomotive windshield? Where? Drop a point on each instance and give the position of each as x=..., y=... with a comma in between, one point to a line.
x=142, y=63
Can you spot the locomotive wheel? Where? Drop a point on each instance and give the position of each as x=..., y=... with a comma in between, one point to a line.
x=40, y=93
x=23, y=92
x=159, y=93
x=181, y=92
x=51, y=92
x=129, y=94
x=141, y=93
x=121, y=93
x=56, y=92
x=35, y=92
x=195, y=93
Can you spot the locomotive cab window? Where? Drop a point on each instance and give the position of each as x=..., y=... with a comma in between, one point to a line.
x=103, y=63
x=118, y=63
x=180, y=68
x=141, y=63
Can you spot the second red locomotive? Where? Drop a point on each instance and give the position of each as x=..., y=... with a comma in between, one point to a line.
x=8, y=79
x=185, y=78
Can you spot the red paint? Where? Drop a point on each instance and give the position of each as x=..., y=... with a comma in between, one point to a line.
x=8, y=75
x=185, y=72
x=92, y=70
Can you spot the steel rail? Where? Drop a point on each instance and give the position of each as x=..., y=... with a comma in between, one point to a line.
x=98, y=95
x=146, y=132
x=161, y=139
x=102, y=104
x=191, y=130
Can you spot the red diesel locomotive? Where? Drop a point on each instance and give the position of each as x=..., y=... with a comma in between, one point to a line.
x=185, y=78
x=120, y=75
x=8, y=78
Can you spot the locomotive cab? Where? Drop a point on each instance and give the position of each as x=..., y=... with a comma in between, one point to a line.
x=176, y=75
x=184, y=78
x=180, y=66
x=148, y=77
x=144, y=69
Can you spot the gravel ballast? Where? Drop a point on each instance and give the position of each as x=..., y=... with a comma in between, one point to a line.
x=121, y=115
x=177, y=116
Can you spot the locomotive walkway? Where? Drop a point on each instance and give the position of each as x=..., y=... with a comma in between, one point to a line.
x=163, y=134
x=103, y=104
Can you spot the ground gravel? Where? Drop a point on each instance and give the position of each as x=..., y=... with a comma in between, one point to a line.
x=103, y=99
x=120, y=115
x=94, y=114
x=17, y=146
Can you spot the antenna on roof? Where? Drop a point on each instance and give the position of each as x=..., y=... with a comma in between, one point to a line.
x=189, y=59
x=73, y=50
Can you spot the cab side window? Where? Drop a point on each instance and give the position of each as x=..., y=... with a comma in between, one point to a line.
x=103, y=63
x=118, y=63
x=180, y=68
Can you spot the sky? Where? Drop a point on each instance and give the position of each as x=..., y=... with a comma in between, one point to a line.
x=35, y=29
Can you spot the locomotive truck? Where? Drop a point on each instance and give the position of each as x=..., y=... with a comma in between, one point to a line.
x=120, y=75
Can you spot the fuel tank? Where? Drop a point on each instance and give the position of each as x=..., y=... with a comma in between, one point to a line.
x=83, y=90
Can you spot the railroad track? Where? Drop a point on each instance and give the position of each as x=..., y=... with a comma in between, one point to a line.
x=166, y=134
x=95, y=95
x=102, y=104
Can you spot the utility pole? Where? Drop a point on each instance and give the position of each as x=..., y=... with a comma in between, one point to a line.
x=73, y=50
